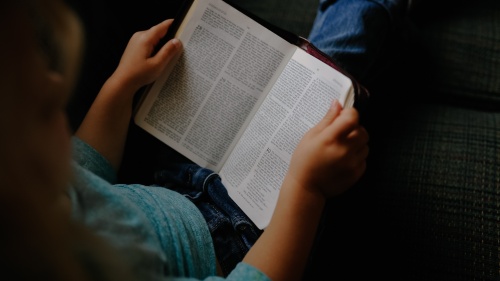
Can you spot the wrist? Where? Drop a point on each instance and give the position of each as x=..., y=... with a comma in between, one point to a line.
x=311, y=200
x=118, y=89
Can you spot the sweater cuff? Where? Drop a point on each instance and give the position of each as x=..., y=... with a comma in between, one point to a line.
x=89, y=158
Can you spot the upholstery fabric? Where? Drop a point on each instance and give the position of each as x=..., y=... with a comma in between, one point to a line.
x=462, y=43
x=436, y=183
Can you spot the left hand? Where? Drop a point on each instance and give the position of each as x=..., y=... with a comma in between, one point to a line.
x=137, y=66
x=105, y=126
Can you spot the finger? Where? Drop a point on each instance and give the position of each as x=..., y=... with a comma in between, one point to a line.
x=359, y=136
x=356, y=171
x=160, y=30
x=156, y=35
x=346, y=122
x=361, y=170
x=363, y=153
x=168, y=51
x=333, y=112
x=355, y=144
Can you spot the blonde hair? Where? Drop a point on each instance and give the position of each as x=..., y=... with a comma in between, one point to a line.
x=38, y=241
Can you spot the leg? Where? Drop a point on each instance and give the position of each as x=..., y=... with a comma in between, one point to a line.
x=233, y=233
x=356, y=32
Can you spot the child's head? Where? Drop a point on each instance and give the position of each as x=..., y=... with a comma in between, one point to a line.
x=40, y=52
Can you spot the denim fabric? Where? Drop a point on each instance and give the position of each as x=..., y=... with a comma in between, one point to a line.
x=233, y=233
x=354, y=32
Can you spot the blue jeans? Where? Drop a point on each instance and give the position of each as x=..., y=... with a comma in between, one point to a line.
x=351, y=31
x=233, y=233
x=355, y=32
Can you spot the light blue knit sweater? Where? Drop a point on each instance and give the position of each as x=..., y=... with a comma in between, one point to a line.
x=160, y=233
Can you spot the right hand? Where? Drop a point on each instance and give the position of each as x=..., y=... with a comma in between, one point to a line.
x=331, y=157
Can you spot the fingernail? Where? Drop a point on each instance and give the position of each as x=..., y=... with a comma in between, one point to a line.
x=334, y=103
x=176, y=42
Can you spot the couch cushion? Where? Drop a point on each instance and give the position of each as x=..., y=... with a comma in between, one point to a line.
x=460, y=43
x=434, y=188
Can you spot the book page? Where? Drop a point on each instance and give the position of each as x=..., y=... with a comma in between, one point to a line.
x=299, y=100
x=201, y=105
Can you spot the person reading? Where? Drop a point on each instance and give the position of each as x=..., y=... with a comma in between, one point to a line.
x=68, y=219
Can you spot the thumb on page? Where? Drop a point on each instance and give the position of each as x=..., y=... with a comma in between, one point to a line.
x=169, y=50
x=330, y=115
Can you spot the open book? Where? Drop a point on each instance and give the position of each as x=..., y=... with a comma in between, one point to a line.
x=239, y=99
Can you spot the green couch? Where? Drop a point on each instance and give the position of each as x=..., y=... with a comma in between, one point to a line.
x=428, y=207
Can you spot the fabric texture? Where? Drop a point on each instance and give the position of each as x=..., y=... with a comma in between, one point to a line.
x=461, y=46
x=435, y=198
x=233, y=233
x=152, y=228
x=354, y=41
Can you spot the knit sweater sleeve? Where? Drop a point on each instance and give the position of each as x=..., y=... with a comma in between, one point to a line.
x=155, y=230
x=89, y=158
